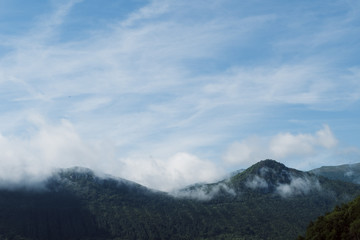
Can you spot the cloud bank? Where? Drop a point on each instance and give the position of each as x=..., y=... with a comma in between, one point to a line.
x=177, y=171
x=283, y=146
x=46, y=148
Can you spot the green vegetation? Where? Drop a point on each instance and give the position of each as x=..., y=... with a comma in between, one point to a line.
x=343, y=223
x=76, y=204
x=345, y=173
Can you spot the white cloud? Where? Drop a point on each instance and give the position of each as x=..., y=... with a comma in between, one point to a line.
x=245, y=152
x=287, y=144
x=34, y=157
x=180, y=77
x=282, y=147
x=179, y=170
x=349, y=173
x=298, y=186
x=325, y=137
x=204, y=192
x=256, y=182
x=134, y=60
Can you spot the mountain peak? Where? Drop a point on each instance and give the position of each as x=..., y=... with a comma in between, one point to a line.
x=273, y=172
x=268, y=163
x=266, y=168
x=270, y=176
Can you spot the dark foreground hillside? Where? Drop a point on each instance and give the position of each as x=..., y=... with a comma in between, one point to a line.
x=266, y=201
x=343, y=223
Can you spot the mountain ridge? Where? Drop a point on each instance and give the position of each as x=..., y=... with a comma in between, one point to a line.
x=344, y=172
x=266, y=201
x=266, y=177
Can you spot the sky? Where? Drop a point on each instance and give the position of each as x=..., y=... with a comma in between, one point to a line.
x=169, y=93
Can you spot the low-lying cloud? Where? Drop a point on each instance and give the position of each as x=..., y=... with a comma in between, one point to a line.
x=34, y=157
x=204, y=192
x=35, y=154
x=283, y=183
x=256, y=182
x=46, y=147
x=352, y=174
x=298, y=186
x=177, y=171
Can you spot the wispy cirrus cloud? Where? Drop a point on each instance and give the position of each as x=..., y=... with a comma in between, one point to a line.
x=185, y=77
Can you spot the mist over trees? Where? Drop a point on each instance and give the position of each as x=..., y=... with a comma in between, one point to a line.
x=77, y=204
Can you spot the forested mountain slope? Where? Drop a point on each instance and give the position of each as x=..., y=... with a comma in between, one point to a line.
x=341, y=224
x=345, y=172
x=266, y=201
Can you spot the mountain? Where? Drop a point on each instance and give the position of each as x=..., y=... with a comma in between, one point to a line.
x=266, y=201
x=346, y=172
x=342, y=223
x=269, y=177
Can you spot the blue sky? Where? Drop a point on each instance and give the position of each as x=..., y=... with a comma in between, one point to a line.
x=168, y=93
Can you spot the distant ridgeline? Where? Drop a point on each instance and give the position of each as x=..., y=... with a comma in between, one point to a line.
x=266, y=201
x=346, y=172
